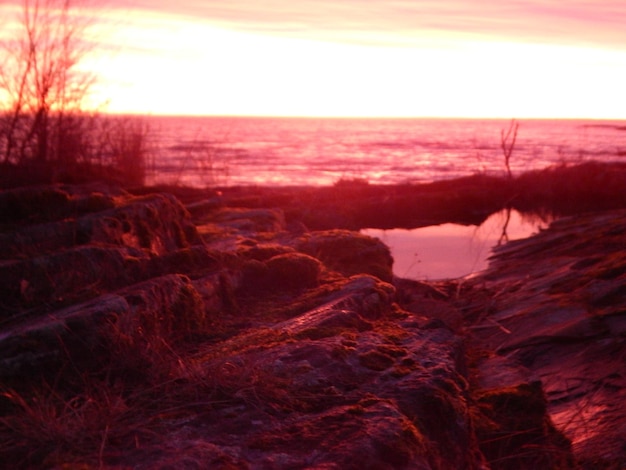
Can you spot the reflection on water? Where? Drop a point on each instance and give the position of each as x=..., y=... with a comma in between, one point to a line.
x=451, y=251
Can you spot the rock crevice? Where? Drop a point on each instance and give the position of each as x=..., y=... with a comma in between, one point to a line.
x=236, y=338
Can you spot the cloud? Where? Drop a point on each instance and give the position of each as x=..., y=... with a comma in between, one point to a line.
x=574, y=22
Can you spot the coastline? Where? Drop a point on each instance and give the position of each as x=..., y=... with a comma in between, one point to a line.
x=356, y=204
x=251, y=327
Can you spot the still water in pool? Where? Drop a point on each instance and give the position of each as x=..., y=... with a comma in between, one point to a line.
x=450, y=251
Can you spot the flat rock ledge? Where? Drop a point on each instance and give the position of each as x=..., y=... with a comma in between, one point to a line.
x=555, y=304
x=134, y=334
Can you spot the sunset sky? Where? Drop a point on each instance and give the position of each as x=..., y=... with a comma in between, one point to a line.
x=451, y=58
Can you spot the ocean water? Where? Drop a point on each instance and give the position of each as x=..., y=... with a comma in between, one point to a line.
x=213, y=151
x=231, y=151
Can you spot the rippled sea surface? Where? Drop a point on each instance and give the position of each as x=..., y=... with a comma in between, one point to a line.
x=207, y=151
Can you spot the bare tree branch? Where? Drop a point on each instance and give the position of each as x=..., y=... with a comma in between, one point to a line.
x=507, y=147
x=41, y=82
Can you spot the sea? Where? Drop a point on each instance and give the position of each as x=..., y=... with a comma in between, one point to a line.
x=234, y=151
x=244, y=151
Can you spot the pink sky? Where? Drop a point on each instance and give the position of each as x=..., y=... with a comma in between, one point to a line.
x=488, y=58
x=571, y=22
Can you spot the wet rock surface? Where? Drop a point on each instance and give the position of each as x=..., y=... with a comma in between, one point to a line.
x=555, y=305
x=137, y=332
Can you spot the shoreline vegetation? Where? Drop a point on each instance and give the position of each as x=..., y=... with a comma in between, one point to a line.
x=254, y=327
x=355, y=204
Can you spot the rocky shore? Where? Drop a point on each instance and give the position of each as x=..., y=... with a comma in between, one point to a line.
x=256, y=328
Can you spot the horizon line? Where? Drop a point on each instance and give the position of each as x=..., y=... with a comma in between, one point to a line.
x=319, y=116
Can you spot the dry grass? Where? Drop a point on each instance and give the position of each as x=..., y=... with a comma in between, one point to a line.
x=145, y=389
x=49, y=426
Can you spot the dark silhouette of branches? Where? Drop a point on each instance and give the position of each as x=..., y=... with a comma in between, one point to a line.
x=507, y=143
x=46, y=130
x=42, y=88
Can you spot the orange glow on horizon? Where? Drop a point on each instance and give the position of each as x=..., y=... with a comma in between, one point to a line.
x=157, y=63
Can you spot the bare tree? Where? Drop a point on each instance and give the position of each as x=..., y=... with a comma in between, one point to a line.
x=507, y=143
x=41, y=85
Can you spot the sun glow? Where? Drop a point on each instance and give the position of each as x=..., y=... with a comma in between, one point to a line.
x=160, y=63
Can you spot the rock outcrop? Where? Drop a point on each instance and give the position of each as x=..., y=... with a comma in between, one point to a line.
x=554, y=305
x=136, y=332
